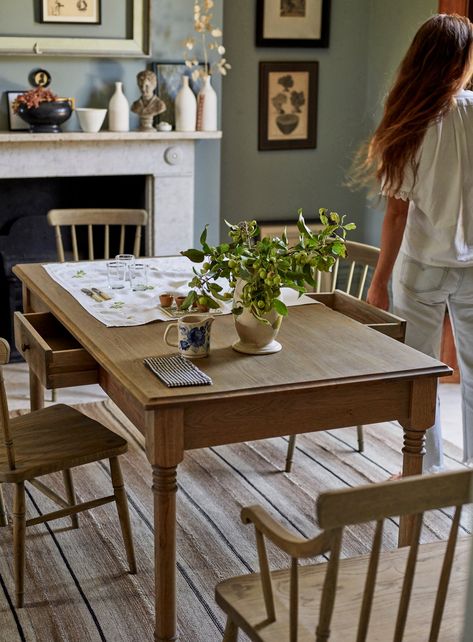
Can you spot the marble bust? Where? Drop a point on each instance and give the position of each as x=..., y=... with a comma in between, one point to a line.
x=149, y=104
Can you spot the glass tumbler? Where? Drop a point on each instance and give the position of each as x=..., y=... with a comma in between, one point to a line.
x=116, y=272
x=128, y=261
x=139, y=277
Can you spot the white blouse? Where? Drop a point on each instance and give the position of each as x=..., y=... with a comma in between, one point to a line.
x=439, y=228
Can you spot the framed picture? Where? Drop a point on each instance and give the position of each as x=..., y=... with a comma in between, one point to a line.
x=169, y=75
x=71, y=11
x=15, y=123
x=287, y=105
x=292, y=23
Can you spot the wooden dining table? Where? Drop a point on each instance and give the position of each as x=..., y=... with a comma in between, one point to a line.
x=332, y=372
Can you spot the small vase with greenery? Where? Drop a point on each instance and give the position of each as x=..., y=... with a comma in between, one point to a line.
x=257, y=269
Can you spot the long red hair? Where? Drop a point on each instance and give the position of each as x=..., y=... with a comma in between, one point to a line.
x=434, y=69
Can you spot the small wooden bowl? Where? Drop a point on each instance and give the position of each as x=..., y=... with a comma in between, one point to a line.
x=166, y=299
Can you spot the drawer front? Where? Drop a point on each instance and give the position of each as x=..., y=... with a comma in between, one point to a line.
x=380, y=320
x=55, y=357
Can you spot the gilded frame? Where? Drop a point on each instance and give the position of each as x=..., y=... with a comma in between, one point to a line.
x=138, y=45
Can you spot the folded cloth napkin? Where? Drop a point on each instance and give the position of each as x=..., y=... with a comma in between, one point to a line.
x=176, y=371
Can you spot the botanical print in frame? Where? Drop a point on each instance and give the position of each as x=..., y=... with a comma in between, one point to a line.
x=287, y=105
x=71, y=11
x=292, y=23
x=15, y=123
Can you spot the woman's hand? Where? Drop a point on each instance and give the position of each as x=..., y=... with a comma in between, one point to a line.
x=378, y=296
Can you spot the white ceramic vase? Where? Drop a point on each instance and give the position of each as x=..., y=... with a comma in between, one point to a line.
x=118, y=111
x=207, y=107
x=185, y=108
x=255, y=336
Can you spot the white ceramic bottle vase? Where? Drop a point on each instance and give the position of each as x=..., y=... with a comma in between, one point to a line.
x=118, y=111
x=185, y=108
x=207, y=107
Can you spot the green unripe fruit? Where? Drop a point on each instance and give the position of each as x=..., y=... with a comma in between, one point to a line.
x=262, y=274
x=260, y=304
x=202, y=300
x=231, y=263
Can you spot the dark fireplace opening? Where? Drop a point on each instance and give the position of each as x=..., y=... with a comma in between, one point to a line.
x=25, y=236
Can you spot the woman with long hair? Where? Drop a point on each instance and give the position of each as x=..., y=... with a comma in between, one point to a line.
x=422, y=156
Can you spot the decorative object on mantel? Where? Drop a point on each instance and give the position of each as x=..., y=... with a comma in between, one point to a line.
x=149, y=104
x=118, y=111
x=258, y=269
x=39, y=78
x=214, y=62
x=185, y=108
x=90, y=119
x=42, y=110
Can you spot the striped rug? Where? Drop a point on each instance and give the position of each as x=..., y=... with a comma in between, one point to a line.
x=77, y=587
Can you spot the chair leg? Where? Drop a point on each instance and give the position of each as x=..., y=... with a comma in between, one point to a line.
x=361, y=442
x=231, y=631
x=3, y=512
x=122, y=509
x=70, y=494
x=19, y=530
x=290, y=453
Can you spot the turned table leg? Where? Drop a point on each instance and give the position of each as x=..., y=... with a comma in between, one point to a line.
x=164, y=489
x=413, y=455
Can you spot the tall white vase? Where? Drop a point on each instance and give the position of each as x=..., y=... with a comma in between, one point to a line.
x=207, y=107
x=185, y=108
x=118, y=111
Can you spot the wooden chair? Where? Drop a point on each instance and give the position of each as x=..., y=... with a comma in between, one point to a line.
x=47, y=441
x=386, y=595
x=352, y=275
x=94, y=218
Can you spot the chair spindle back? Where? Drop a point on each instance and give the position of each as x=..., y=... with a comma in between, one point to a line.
x=93, y=218
x=4, y=415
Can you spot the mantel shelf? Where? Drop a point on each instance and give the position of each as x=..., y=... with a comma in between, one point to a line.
x=70, y=137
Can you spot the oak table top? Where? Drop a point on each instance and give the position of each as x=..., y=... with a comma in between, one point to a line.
x=332, y=372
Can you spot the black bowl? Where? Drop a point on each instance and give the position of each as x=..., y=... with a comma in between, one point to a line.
x=47, y=117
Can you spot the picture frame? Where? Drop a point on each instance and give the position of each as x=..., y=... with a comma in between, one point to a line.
x=133, y=41
x=71, y=11
x=292, y=23
x=15, y=123
x=169, y=76
x=287, y=105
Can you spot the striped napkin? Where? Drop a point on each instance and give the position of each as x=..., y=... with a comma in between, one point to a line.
x=176, y=371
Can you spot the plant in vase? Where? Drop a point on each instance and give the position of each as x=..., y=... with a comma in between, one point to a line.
x=42, y=110
x=206, y=43
x=257, y=269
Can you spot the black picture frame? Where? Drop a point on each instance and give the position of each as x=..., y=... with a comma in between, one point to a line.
x=287, y=116
x=15, y=123
x=71, y=9
x=309, y=26
x=169, y=76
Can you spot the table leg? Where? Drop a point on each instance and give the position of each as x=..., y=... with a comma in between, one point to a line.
x=164, y=489
x=36, y=392
x=413, y=455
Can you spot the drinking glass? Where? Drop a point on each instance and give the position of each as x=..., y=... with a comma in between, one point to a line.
x=139, y=277
x=128, y=261
x=116, y=272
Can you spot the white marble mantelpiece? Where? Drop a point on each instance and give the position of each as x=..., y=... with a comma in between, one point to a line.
x=165, y=158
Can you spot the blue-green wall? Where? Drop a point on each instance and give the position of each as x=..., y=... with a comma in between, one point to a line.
x=367, y=40
x=91, y=82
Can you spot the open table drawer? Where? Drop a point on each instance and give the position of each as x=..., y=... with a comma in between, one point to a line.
x=55, y=357
x=363, y=312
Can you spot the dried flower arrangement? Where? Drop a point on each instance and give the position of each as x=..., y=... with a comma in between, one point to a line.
x=210, y=43
x=33, y=98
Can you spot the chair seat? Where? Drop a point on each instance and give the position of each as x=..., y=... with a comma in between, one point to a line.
x=54, y=439
x=242, y=598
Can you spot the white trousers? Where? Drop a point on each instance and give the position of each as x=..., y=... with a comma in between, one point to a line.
x=420, y=295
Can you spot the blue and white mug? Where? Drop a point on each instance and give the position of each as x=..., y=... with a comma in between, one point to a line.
x=193, y=335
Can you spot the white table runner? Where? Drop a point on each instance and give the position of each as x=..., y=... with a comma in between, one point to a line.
x=127, y=307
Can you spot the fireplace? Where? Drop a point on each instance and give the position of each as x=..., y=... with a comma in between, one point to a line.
x=38, y=172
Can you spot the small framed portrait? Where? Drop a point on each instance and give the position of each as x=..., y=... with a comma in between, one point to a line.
x=292, y=23
x=287, y=105
x=169, y=75
x=71, y=11
x=15, y=123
